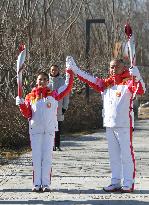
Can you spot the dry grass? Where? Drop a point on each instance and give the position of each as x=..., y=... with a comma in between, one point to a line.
x=11, y=154
x=143, y=113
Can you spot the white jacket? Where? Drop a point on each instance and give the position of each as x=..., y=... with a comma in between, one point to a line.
x=117, y=94
x=117, y=107
x=40, y=106
x=44, y=118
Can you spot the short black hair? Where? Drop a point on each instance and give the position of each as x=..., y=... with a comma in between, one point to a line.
x=55, y=65
x=118, y=60
x=43, y=73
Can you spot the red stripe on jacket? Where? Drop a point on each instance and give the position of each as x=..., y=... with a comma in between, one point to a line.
x=69, y=87
x=124, y=78
x=39, y=92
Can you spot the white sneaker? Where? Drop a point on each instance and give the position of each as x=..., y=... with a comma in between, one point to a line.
x=45, y=188
x=36, y=188
x=112, y=188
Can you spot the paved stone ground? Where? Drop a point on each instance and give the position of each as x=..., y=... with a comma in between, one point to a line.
x=79, y=173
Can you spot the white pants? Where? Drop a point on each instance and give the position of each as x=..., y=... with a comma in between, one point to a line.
x=42, y=148
x=121, y=155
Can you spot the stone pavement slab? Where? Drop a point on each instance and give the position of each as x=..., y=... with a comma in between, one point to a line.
x=79, y=173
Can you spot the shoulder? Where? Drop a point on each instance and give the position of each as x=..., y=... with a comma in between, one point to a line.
x=34, y=89
x=62, y=79
x=31, y=95
x=28, y=97
x=108, y=80
x=126, y=76
x=50, y=77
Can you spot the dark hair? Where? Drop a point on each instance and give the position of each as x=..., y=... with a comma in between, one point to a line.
x=118, y=60
x=43, y=73
x=55, y=65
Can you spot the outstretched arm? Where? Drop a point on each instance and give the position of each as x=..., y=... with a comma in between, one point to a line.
x=66, y=88
x=94, y=82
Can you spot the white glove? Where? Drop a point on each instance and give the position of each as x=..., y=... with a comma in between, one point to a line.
x=134, y=71
x=19, y=100
x=70, y=64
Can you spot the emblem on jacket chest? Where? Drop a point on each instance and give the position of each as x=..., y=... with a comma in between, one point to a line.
x=118, y=93
x=48, y=104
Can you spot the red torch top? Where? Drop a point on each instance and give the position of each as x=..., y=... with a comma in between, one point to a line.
x=21, y=47
x=128, y=30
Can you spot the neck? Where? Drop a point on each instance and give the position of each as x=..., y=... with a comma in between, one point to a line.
x=54, y=76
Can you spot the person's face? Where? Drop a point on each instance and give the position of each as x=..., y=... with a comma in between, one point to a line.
x=116, y=68
x=42, y=81
x=54, y=71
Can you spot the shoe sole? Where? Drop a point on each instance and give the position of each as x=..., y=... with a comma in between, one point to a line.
x=34, y=190
x=126, y=191
x=113, y=190
x=47, y=190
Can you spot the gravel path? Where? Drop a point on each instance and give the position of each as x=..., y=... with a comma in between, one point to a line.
x=79, y=173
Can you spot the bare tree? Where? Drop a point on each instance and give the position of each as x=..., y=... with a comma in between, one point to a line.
x=52, y=29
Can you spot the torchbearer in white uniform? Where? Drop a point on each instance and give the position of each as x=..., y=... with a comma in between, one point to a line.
x=40, y=108
x=117, y=93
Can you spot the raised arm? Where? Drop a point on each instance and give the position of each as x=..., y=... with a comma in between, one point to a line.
x=137, y=86
x=66, y=88
x=94, y=82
